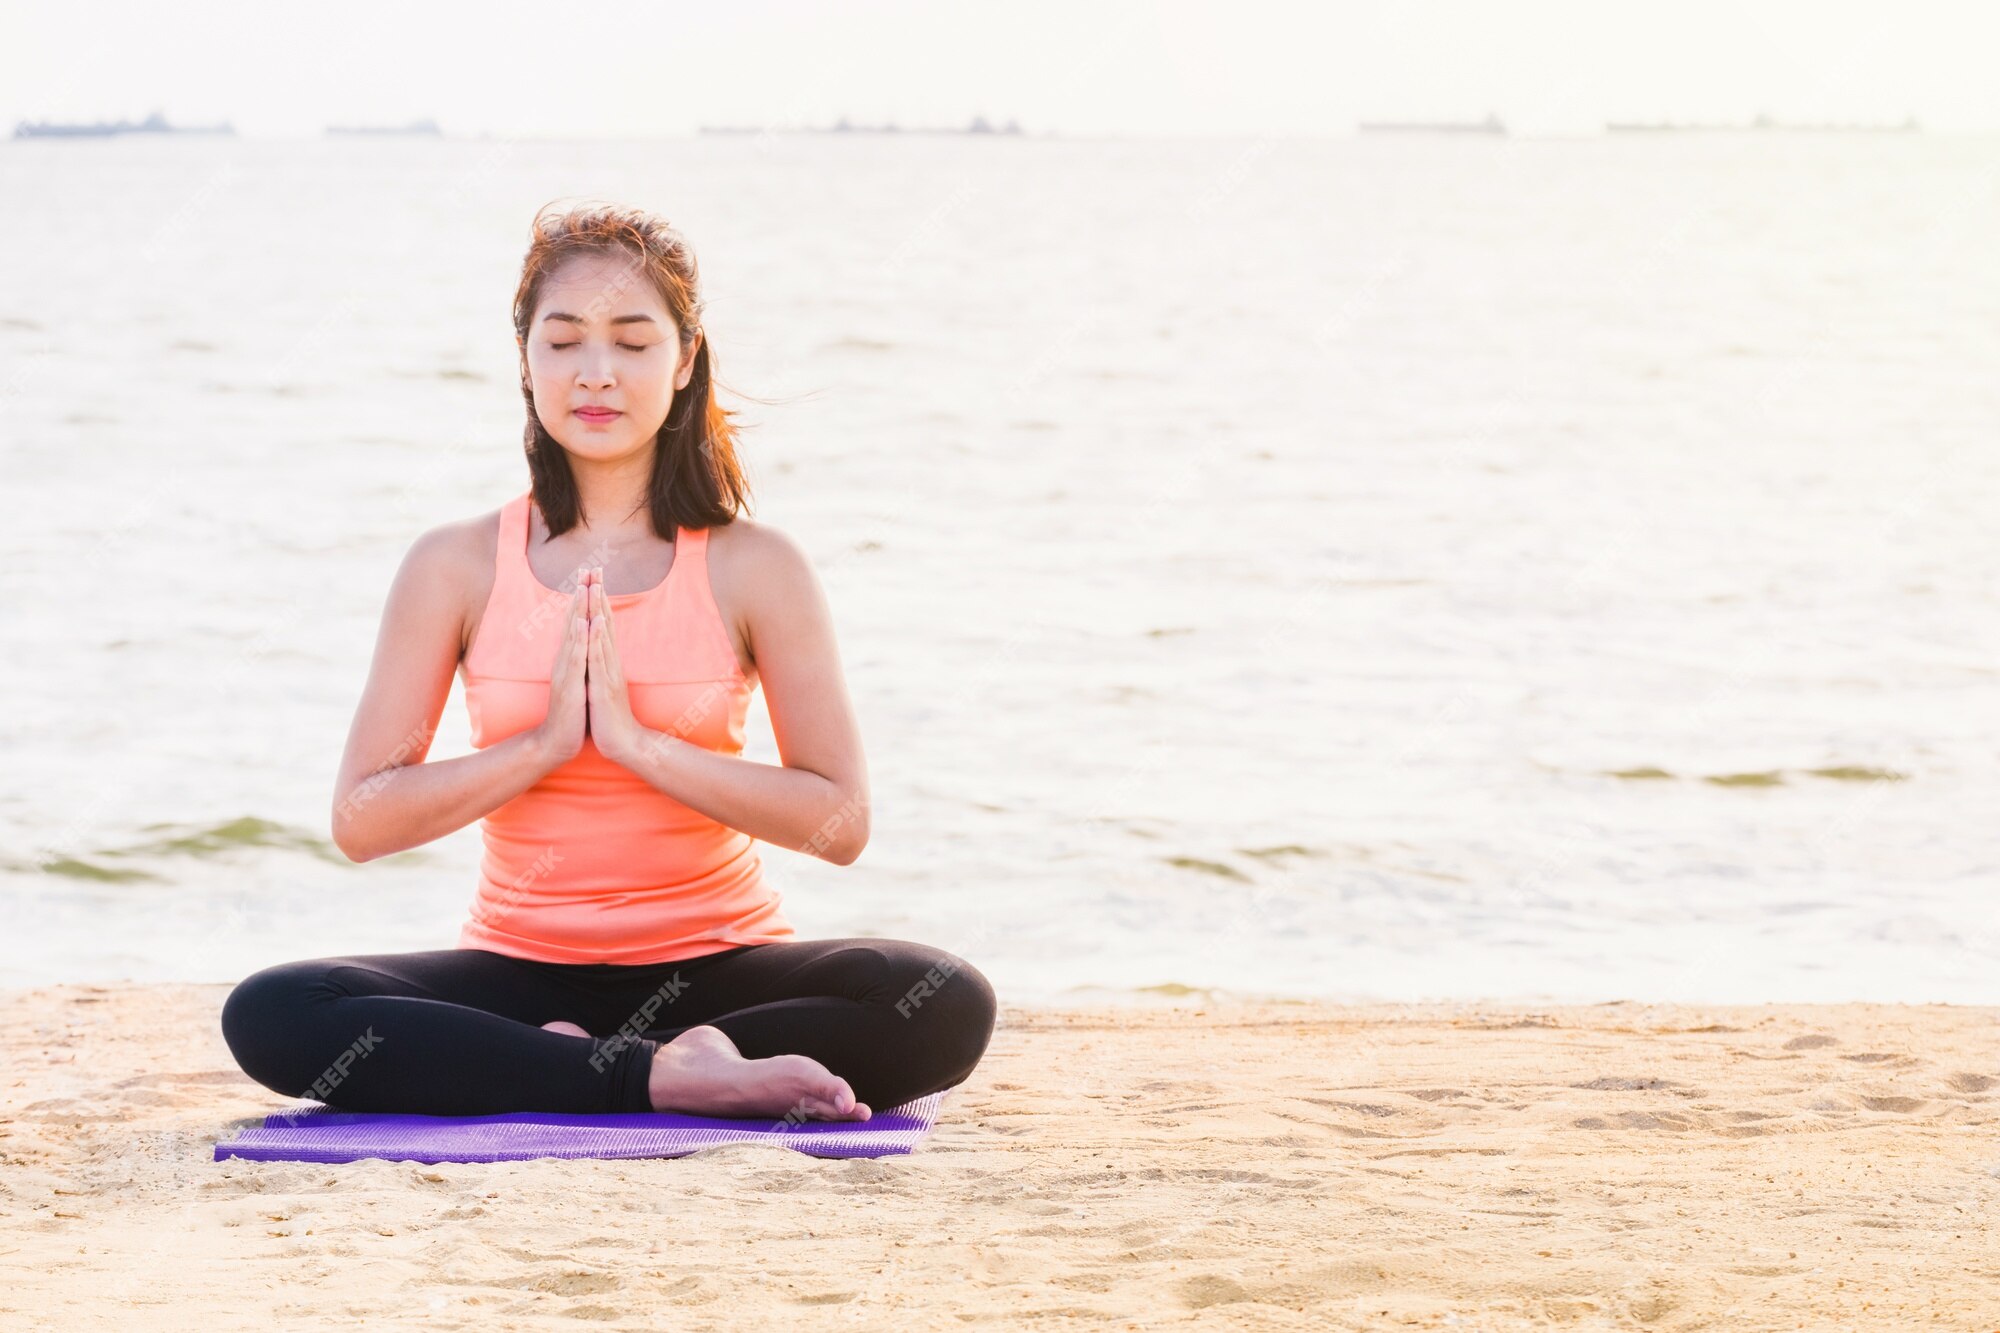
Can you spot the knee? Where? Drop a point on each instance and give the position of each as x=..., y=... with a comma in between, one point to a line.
x=955, y=1005
x=262, y=1022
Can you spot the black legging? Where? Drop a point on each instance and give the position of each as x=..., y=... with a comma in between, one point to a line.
x=458, y=1031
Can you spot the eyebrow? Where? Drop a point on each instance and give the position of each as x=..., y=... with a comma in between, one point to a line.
x=615, y=319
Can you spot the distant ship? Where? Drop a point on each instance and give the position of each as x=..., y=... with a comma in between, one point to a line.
x=1908, y=125
x=429, y=127
x=977, y=125
x=98, y=129
x=1491, y=125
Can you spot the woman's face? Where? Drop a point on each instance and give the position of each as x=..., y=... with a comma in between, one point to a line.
x=602, y=337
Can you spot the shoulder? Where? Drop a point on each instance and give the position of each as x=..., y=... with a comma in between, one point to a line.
x=447, y=572
x=755, y=560
x=762, y=578
x=455, y=550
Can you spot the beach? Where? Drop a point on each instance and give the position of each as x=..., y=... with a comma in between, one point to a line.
x=1197, y=1163
x=1412, y=585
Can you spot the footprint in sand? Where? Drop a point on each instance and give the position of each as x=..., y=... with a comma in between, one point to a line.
x=1627, y=1085
x=1811, y=1042
x=198, y=1076
x=1900, y=1105
x=566, y=1281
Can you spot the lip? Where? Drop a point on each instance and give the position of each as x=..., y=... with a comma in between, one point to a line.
x=597, y=413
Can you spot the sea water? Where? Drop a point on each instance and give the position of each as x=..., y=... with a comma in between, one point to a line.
x=1391, y=568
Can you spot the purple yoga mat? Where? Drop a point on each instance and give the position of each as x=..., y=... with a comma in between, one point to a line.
x=312, y=1132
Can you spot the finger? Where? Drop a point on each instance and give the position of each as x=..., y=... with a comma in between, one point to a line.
x=610, y=629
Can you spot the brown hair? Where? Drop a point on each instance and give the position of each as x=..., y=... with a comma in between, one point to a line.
x=697, y=481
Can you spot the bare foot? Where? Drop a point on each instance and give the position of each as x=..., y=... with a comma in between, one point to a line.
x=567, y=1029
x=701, y=1072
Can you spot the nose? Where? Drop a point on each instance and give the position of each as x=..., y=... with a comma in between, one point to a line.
x=594, y=369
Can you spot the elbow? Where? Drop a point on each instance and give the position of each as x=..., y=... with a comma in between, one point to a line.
x=857, y=838
x=842, y=848
x=349, y=848
x=346, y=833
x=841, y=836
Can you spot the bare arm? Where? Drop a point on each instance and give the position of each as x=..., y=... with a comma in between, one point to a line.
x=386, y=798
x=816, y=802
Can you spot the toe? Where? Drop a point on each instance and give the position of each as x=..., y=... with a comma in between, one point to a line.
x=827, y=1106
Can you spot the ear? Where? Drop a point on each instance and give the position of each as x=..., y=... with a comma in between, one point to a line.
x=694, y=348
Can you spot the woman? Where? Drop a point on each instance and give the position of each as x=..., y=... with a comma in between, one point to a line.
x=623, y=950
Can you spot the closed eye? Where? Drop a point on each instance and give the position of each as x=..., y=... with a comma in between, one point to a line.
x=630, y=347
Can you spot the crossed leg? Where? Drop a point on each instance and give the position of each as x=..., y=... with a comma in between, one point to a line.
x=830, y=1028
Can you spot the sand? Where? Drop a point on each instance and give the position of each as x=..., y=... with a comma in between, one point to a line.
x=1204, y=1165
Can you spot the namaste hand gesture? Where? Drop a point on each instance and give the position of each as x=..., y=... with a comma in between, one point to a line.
x=587, y=684
x=613, y=729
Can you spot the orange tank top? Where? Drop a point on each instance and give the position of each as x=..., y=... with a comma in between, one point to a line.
x=593, y=864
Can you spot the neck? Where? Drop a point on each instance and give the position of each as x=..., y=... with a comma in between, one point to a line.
x=611, y=494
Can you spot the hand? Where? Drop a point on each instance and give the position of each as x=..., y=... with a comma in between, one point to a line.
x=613, y=729
x=561, y=733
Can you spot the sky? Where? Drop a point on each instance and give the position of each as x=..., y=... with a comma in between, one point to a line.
x=1075, y=67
